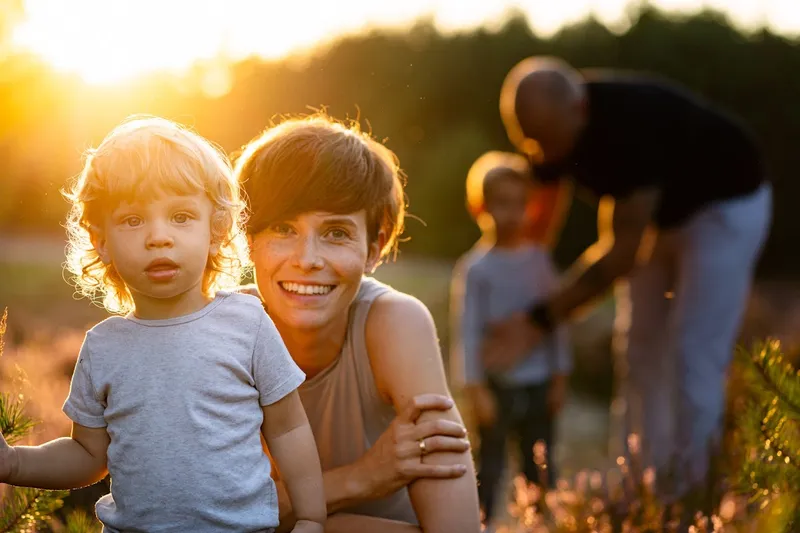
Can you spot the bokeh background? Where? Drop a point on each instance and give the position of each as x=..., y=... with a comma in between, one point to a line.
x=423, y=76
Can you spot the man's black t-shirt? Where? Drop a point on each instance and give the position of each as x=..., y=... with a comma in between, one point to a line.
x=643, y=133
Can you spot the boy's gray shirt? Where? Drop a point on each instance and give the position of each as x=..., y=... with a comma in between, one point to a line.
x=181, y=400
x=499, y=283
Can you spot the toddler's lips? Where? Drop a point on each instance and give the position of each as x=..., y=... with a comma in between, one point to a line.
x=162, y=269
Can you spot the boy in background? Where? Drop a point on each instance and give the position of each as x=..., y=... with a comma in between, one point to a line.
x=505, y=272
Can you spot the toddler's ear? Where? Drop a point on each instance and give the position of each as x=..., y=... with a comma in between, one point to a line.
x=99, y=243
x=213, y=250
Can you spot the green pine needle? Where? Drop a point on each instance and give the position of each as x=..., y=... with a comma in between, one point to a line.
x=79, y=521
x=24, y=509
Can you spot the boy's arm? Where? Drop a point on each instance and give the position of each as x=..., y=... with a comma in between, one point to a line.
x=476, y=390
x=291, y=444
x=66, y=463
x=472, y=327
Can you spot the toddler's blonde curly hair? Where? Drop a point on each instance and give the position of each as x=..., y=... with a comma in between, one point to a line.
x=142, y=158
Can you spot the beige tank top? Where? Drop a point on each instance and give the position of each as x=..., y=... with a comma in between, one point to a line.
x=345, y=410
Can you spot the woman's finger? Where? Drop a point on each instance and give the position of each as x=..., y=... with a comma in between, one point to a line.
x=444, y=444
x=430, y=428
x=422, y=470
x=424, y=402
x=413, y=450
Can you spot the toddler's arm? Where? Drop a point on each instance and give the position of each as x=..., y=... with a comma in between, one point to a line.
x=65, y=463
x=291, y=443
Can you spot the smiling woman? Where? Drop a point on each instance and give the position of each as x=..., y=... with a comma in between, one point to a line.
x=326, y=206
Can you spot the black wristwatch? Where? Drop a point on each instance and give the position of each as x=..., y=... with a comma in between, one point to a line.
x=540, y=315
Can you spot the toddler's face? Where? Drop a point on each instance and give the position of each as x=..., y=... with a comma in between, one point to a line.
x=160, y=247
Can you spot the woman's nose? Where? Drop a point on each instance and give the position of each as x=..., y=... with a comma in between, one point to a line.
x=307, y=254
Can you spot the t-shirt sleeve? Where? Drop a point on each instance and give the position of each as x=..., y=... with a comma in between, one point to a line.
x=83, y=405
x=274, y=371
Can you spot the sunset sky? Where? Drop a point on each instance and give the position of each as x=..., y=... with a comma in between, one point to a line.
x=114, y=40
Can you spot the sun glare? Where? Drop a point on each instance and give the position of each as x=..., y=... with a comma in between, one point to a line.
x=110, y=41
x=113, y=41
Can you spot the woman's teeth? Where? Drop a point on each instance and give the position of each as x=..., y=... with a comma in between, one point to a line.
x=298, y=288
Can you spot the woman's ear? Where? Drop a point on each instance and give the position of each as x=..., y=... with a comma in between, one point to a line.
x=374, y=253
x=100, y=244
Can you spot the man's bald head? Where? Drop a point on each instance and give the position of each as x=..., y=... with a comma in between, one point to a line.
x=539, y=102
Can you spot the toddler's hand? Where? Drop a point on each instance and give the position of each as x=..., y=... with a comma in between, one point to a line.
x=307, y=526
x=6, y=456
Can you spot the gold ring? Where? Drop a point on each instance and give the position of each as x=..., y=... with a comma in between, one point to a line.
x=422, y=448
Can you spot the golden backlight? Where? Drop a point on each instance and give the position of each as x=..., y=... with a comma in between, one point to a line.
x=108, y=41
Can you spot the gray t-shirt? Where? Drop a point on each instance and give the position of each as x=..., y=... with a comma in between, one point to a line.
x=501, y=282
x=181, y=400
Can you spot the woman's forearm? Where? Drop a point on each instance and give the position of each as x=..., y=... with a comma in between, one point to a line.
x=60, y=464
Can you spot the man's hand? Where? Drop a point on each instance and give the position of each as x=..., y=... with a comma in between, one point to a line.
x=508, y=341
x=556, y=394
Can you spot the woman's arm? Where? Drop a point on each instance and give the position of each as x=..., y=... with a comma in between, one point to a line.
x=392, y=463
x=405, y=358
x=66, y=463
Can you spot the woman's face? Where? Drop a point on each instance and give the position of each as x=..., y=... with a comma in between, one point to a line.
x=309, y=269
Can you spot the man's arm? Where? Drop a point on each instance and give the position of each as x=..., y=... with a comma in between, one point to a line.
x=61, y=464
x=621, y=230
x=548, y=210
x=404, y=353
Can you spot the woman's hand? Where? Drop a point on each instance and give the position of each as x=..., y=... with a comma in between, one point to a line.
x=395, y=459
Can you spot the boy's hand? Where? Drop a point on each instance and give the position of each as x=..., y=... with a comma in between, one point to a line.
x=508, y=341
x=6, y=458
x=307, y=526
x=556, y=394
x=484, y=405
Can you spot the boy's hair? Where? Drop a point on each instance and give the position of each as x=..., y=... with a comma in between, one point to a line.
x=319, y=164
x=488, y=169
x=141, y=158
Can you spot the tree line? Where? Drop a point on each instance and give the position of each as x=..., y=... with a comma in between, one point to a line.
x=432, y=97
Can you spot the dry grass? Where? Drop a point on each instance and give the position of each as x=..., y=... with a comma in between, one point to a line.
x=47, y=326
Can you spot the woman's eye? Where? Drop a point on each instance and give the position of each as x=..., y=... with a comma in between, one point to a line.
x=281, y=228
x=338, y=233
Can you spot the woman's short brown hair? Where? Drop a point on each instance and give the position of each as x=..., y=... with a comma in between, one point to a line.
x=319, y=164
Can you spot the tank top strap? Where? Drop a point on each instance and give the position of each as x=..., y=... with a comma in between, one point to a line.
x=375, y=411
